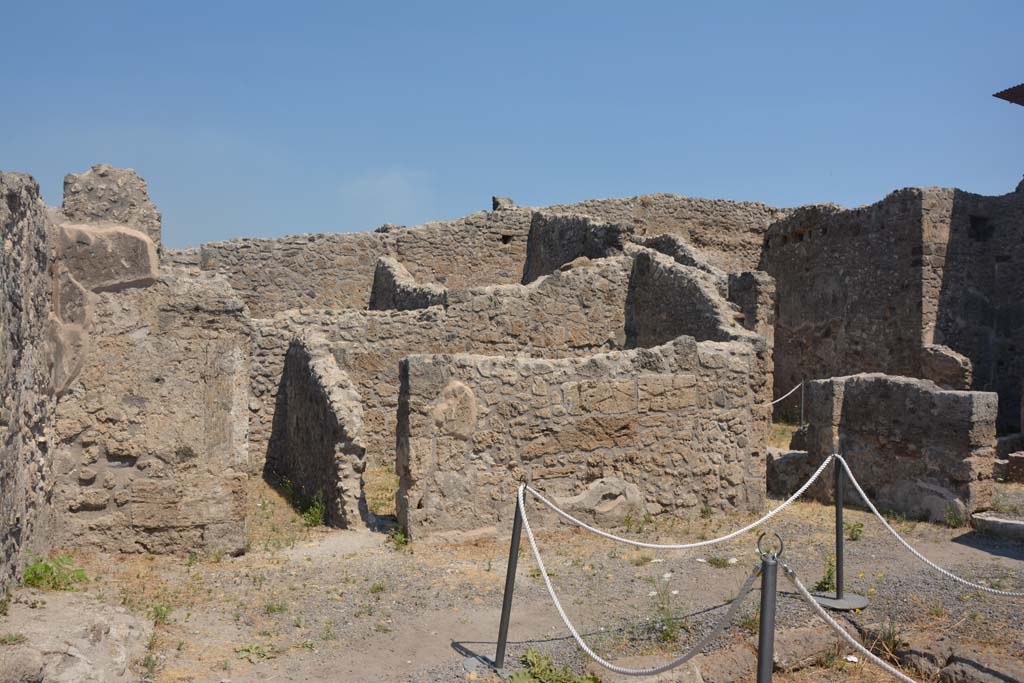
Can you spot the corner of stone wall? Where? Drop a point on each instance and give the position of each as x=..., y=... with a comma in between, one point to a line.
x=556, y=239
x=105, y=194
x=322, y=453
x=394, y=288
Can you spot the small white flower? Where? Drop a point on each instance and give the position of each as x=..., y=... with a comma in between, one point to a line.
x=852, y=658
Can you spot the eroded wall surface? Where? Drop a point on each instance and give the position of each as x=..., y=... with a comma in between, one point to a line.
x=676, y=421
x=26, y=400
x=152, y=433
x=918, y=450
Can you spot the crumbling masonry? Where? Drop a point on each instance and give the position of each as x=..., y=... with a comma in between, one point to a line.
x=623, y=351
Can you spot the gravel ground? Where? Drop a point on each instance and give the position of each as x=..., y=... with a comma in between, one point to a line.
x=350, y=606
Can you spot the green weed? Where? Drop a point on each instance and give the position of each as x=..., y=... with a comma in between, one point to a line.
x=59, y=574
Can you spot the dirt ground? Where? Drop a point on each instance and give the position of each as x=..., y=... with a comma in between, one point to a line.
x=329, y=605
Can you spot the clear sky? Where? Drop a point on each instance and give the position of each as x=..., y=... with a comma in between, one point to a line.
x=263, y=119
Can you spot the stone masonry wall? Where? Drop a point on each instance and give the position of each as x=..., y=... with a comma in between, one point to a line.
x=557, y=239
x=26, y=400
x=572, y=312
x=151, y=451
x=848, y=286
x=323, y=453
x=394, y=288
x=676, y=421
x=974, y=295
x=336, y=270
x=730, y=234
x=916, y=449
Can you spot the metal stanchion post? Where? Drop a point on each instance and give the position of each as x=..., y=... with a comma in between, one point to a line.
x=766, y=627
x=510, y=584
x=801, y=404
x=841, y=601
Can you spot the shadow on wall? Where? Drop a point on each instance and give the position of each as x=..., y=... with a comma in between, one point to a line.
x=981, y=303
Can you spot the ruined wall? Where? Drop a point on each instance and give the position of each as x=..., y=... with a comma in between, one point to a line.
x=916, y=449
x=394, y=288
x=323, y=451
x=26, y=401
x=151, y=434
x=729, y=233
x=105, y=194
x=675, y=420
x=849, y=289
x=974, y=295
x=572, y=312
x=557, y=239
x=336, y=270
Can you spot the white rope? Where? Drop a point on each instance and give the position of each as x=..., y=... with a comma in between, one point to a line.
x=944, y=572
x=787, y=395
x=692, y=652
x=677, y=546
x=791, y=575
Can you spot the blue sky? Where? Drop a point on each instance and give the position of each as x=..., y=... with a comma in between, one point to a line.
x=263, y=119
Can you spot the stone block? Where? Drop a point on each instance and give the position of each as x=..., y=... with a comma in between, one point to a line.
x=105, y=194
x=108, y=259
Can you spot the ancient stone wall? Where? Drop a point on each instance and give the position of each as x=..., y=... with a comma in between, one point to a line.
x=916, y=449
x=571, y=312
x=26, y=400
x=676, y=421
x=152, y=432
x=848, y=286
x=974, y=295
x=730, y=234
x=557, y=239
x=337, y=270
x=323, y=451
x=105, y=194
x=394, y=288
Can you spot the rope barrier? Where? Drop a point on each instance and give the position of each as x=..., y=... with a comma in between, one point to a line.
x=817, y=609
x=682, y=659
x=785, y=396
x=676, y=546
x=918, y=555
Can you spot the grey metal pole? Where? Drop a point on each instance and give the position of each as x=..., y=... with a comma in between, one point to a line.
x=510, y=584
x=766, y=631
x=840, y=494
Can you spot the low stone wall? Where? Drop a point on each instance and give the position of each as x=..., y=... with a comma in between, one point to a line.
x=322, y=454
x=918, y=450
x=26, y=399
x=677, y=421
x=394, y=288
x=151, y=451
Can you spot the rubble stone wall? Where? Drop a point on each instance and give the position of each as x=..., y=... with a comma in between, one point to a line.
x=151, y=436
x=848, y=289
x=337, y=270
x=919, y=450
x=394, y=288
x=730, y=234
x=573, y=312
x=26, y=399
x=323, y=453
x=676, y=421
x=974, y=295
